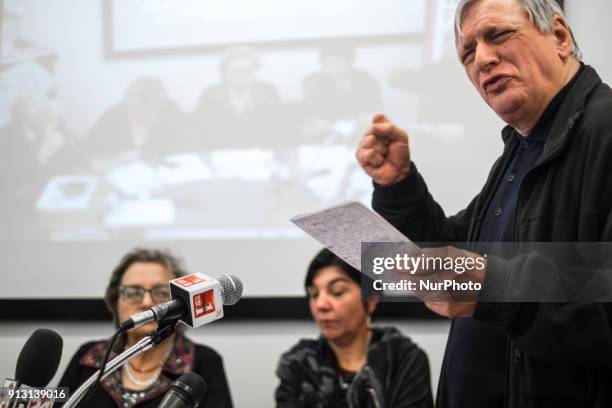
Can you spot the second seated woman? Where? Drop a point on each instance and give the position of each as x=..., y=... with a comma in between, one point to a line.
x=351, y=364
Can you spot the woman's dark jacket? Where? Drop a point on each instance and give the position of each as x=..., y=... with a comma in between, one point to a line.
x=396, y=375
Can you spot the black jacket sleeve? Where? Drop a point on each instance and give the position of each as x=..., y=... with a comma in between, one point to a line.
x=298, y=384
x=209, y=365
x=412, y=387
x=287, y=393
x=304, y=382
x=75, y=374
x=410, y=208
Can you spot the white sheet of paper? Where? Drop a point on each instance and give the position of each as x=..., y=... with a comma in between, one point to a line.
x=343, y=228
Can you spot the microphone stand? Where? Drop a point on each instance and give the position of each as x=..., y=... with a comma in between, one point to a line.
x=153, y=339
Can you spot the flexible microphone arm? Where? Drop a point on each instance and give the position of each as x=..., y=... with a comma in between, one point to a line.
x=153, y=339
x=172, y=309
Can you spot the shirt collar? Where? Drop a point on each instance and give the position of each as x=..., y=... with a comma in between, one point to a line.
x=543, y=126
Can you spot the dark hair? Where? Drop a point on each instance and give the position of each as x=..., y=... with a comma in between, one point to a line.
x=161, y=257
x=326, y=258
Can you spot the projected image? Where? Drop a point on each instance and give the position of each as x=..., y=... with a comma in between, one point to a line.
x=208, y=125
x=146, y=167
x=237, y=164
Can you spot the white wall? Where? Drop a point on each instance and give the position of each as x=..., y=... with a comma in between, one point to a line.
x=590, y=21
x=250, y=350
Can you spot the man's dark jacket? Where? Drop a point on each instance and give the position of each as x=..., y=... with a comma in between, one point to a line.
x=559, y=354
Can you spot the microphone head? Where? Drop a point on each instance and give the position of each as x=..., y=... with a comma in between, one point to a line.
x=231, y=288
x=191, y=387
x=39, y=358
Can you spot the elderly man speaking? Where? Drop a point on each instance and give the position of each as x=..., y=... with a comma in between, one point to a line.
x=551, y=184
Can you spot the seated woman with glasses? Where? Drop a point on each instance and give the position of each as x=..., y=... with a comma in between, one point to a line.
x=351, y=364
x=137, y=283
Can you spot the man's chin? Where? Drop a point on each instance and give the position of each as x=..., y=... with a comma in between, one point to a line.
x=505, y=106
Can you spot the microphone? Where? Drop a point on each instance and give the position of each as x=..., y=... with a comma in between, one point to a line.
x=197, y=299
x=186, y=392
x=39, y=358
x=36, y=365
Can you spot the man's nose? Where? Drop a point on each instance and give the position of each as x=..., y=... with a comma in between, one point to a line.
x=486, y=57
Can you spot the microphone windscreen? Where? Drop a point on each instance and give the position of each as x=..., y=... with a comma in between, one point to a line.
x=231, y=288
x=187, y=391
x=39, y=358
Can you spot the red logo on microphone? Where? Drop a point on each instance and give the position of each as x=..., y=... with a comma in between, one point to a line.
x=189, y=280
x=204, y=303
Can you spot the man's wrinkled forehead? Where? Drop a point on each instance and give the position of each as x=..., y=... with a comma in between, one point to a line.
x=484, y=17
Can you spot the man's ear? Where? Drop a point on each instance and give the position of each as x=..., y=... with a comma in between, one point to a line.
x=563, y=38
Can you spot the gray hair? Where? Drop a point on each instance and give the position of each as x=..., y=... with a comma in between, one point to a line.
x=541, y=13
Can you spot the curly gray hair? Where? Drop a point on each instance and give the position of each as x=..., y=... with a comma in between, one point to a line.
x=541, y=13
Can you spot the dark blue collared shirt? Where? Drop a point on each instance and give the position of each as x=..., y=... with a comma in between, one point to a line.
x=498, y=224
x=476, y=352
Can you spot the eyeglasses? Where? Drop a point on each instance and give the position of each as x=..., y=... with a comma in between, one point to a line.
x=134, y=294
